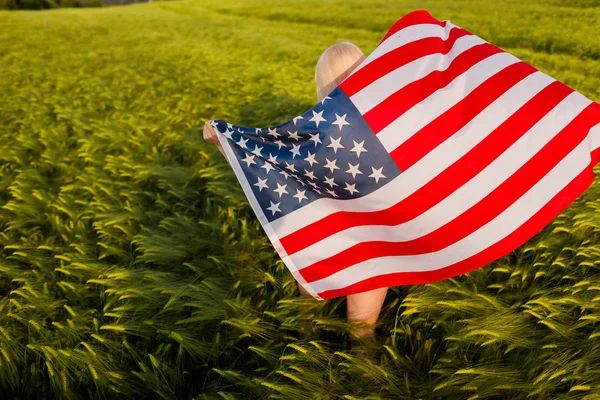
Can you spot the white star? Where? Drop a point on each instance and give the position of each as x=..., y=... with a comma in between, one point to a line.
x=294, y=135
x=274, y=207
x=300, y=181
x=340, y=121
x=317, y=117
x=215, y=125
x=311, y=159
x=280, y=189
x=257, y=150
x=273, y=132
x=351, y=188
x=285, y=174
x=315, y=138
x=330, y=181
x=377, y=174
x=297, y=118
x=331, y=192
x=300, y=195
x=335, y=144
x=272, y=159
x=258, y=130
x=290, y=167
x=279, y=143
x=326, y=98
x=296, y=150
x=228, y=133
x=310, y=174
x=316, y=189
x=353, y=169
x=249, y=160
x=262, y=183
x=242, y=142
x=358, y=148
x=313, y=184
x=229, y=126
x=268, y=166
x=331, y=165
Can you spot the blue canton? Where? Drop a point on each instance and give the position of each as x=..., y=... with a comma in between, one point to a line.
x=329, y=151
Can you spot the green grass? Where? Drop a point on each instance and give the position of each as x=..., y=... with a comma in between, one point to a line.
x=132, y=266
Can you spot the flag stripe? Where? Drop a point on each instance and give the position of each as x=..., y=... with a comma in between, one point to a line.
x=383, y=87
x=439, y=102
x=418, y=215
x=475, y=216
x=444, y=126
x=417, y=17
x=409, y=34
x=415, y=179
x=402, y=100
x=595, y=143
x=404, y=224
x=515, y=215
x=406, y=35
x=496, y=250
x=399, y=57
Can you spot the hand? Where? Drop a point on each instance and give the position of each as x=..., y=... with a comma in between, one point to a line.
x=209, y=133
x=210, y=136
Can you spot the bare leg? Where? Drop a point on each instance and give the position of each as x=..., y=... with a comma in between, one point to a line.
x=366, y=306
x=303, y=292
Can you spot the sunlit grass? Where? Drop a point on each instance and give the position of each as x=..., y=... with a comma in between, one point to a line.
x=132, y=265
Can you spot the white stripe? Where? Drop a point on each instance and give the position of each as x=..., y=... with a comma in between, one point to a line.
x=461, y=199
x=385, y=86
x=407, y=35
x=225, y=143
x=405, y=126
x=594, y=138
x=425, y=169
x=497, y=229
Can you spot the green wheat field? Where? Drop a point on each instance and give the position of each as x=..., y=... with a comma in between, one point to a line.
x=132, y=266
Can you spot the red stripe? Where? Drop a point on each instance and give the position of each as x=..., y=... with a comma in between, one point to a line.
x=397, y=58
x=596, y=152
x=404, y=99
x=475, y=217
x=511, y=242
x=447, y=124
x=416, y=17
x=596, y=156
x=443, y=184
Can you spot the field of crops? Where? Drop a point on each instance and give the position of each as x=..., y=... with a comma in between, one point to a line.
x=132, y=266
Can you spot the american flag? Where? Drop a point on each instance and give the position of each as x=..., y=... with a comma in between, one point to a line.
x=437, y=155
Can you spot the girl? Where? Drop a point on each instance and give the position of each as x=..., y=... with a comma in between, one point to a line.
x=333, y=66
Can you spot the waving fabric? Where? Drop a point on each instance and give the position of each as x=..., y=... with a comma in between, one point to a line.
x=438, y=154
